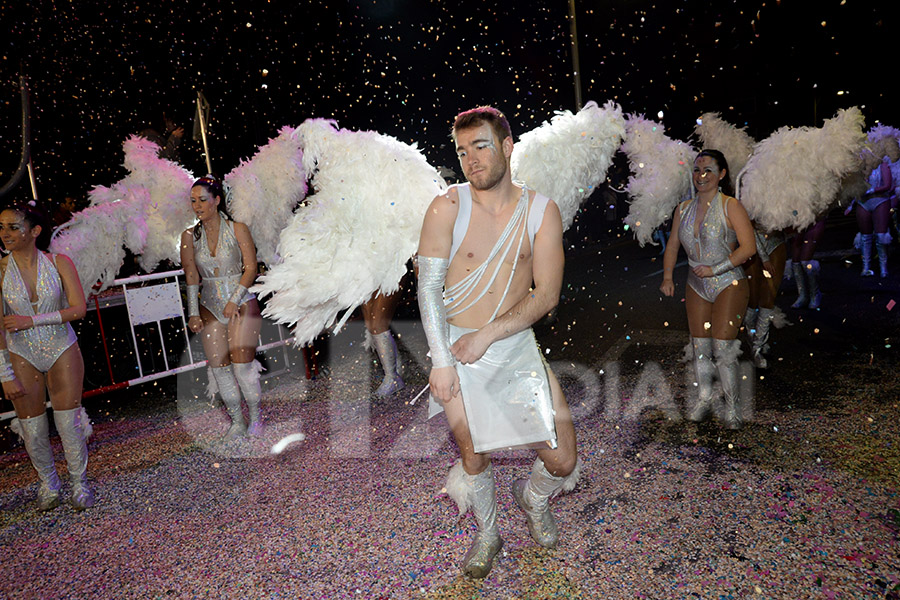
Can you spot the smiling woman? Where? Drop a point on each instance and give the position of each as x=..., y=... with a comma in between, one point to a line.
x=39, y=353
x=220, y=252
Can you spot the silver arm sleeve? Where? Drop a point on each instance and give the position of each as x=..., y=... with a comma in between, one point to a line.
x=51, y=318
x=432, y=273
x=193, y=291
x=722, y=267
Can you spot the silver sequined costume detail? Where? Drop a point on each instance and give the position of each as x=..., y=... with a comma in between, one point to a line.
x=711, y=247
x=43, y=345
x=872, y=203
x=506, y=393
x=219, y=274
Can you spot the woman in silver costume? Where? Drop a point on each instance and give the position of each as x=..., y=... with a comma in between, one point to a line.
x=873, y=210
x=764, y=274
x=221, y=253
x=718, y=237
x=39, y=353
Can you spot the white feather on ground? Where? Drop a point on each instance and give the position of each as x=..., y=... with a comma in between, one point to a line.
x=717, y=133
x=567, y=158
x=263, y=191
x=354, y=236
x=660, y=179
x=795, y=174
x=168, y=212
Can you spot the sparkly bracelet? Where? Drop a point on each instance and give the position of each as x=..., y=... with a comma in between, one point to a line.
x=193, y=290
x=52, y=318
x=722, y=267
x=238, y=295
x=6, y=370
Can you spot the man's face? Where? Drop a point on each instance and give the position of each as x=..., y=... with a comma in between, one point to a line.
x=481, y=156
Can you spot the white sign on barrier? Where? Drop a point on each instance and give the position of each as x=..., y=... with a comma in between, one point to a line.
x=153, y=303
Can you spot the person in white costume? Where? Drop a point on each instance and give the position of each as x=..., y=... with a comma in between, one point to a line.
x=39, y=353
x=490, y=265
x=221, y=252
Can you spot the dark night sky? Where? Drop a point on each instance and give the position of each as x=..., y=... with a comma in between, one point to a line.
x=99, y=71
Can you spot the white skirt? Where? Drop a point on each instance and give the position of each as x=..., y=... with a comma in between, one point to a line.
x=506, y=394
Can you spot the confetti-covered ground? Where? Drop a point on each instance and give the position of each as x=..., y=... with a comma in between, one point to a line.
x=801, y=504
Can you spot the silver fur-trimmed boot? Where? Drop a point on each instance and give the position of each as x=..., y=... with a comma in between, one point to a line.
x=812, y=268
x=74, y=429
x=882, y=244
x=533, y=497
x=247, y=376
x=228, y=388
x=865, y=250
x=35, y=433
x=386, y=348
x=727, y=352
x=760, y=341
x=802, y=290
x=478, y=492
x=704, y=371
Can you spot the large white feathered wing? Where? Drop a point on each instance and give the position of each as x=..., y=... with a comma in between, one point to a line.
x=567, y=158
x=736, y=144
x=353, y=237
x=796, y=174
x=660, y=177
x=168, y=212
x=263, y=191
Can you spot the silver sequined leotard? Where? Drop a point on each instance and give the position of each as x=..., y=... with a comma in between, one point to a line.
x=872, y=203
x=714, y=244
x=42, y=345
x=219, y=274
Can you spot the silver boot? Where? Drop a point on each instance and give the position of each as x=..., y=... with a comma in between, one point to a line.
x=802, y=291
x=386, y=348
x=35, y=433
x=704, y=371
x=865, y=249
x=882, y=244
x=812, y=270
x=247, y=376
x=483, y=501
x=231, y=396
x=74, y=429
x=760, y=341
x=750, y=319
x=533, y=497
x=727, y=352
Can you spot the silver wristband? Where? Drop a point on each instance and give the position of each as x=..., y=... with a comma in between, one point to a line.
x=6, y=370
x=238, y=295
x=51, y=318
x=722, y=267
x=193, y=291
x=432, y=273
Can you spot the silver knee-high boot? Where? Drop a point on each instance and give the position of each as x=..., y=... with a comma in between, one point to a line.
x=35, y=432
x=704, y=371
x=750, y=319
x=865, y=249
x=761, y=339
x=882, y=243
x=479, y=493
x=74, y=429
x=802, y=291
x=812, y=270
x=727, y=352
x=386, y=348
x=231, y=396
x=533, y=497
x=247, y=376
